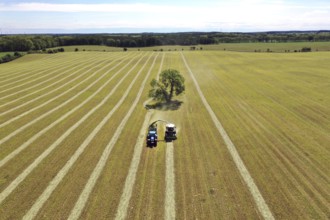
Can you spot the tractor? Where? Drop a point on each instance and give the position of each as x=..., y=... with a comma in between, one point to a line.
x=170, y=132
x=152, y=137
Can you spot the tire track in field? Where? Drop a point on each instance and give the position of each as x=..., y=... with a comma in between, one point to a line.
x=131, y=176
x=12, y=186
x=36, y=136
x=170, y=183
x=259, y=200
x=82, y=200
x=33, y=76
x=54, y=98
x=44, y=88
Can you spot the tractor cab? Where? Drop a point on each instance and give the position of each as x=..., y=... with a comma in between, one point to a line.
x=152, y=136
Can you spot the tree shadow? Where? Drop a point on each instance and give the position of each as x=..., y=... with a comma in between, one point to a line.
x=165, y=106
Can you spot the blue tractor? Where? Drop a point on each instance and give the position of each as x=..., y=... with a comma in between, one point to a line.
x=152, y=137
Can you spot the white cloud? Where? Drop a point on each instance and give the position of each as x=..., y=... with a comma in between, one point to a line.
x=47, y=7
x=236, y=15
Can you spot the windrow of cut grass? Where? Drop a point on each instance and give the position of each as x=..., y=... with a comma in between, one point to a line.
x=36, y=62
x=23, y=65
x=89, y=186
x=122, y=209
x=85, y=128
x=56, y=106
x=57, y=71
x=204, y=173
x=72, y=110
x=19, y=99
x=36, y=136
x=34, y=76
x=245, y=174
x=84, y=196
x=78, y=151
x=93, y=154
x=67, y=87
x=275, y=109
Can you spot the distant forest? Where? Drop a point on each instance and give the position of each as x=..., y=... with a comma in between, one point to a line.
x=41, y=42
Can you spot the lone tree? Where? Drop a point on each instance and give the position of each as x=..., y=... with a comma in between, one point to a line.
x=171, y=82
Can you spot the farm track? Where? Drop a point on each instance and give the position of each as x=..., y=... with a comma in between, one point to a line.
x=262, y=206
x=55, y=182
x=131, y=176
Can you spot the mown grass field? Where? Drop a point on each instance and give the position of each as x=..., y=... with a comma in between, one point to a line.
x=290, y=47
x=71, y=123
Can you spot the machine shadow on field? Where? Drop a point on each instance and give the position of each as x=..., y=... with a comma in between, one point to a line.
x=165, y=106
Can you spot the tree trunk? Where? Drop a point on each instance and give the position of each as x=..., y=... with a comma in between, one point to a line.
x=171, y=93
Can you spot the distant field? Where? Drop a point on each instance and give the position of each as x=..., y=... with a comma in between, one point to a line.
x=73, y=126
x=274, y=47
x=91, y=48
x=239, y=47
x=251, y=47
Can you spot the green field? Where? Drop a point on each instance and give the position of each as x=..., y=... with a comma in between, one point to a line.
x=90, y=48
x=73, y=126
x=238, y=47
x=5, y=53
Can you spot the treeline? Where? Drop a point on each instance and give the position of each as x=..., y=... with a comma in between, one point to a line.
x=9, y=57
x=41, y=42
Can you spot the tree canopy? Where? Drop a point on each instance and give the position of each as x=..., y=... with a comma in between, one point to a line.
x=170, y=82
x=40, y=42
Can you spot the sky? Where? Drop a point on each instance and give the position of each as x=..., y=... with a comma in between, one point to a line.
x=136, y=16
